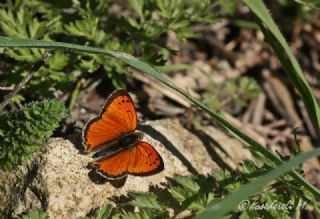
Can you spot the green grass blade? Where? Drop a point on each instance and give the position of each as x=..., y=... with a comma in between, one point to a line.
x=287, y=59
x=171, y=68
x=231, y=201
x=144, y=67
x=11, y=42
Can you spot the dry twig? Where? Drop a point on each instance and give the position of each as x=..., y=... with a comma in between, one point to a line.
x=25, y=80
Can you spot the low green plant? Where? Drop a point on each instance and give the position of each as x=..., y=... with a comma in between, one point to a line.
x=309, y=4
x=235, y=92
x=35, y=213
x=93, y=23
x=23, y=132
x=102, y=212
x=229, y=6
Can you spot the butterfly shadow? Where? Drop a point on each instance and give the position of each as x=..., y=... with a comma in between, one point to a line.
x=98, y=179
x=161, y=138
x=211, y=145
x=76, y=140
x=161, y=191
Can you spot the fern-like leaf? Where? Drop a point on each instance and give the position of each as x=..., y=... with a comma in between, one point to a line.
x=102, y=213
x=35, y=214
x=146, y=200
x=132, y=215
x=188, y=182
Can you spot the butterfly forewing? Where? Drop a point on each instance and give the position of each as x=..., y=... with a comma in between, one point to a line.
x=117, y=117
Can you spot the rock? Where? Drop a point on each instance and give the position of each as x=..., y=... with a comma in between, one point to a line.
x=14, y=184
x=70, y=190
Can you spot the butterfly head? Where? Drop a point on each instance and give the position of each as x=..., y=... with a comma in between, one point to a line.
x=130, y=138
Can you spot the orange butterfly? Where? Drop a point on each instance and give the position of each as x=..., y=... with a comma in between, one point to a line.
x=117, y=144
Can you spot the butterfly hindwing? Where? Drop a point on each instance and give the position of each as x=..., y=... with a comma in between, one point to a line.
x=117, y=117
x=141, y=159
x=114, y=167
x=145, y=160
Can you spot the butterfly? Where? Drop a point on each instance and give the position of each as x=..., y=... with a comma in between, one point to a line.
x=116, y=142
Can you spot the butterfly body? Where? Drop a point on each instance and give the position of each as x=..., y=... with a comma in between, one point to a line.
x=116, y=142
x=123, y=142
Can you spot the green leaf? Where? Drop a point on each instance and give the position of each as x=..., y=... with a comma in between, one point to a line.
x=146, y=200
x=24, y=24
x=35, y=214
x=310, y=3
x=232, y=200
x=137, y=5
x=187, y=182
x=87, y=28
x=180, y=194
x=102, y=213
x=58, y=61
x=140, y=215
